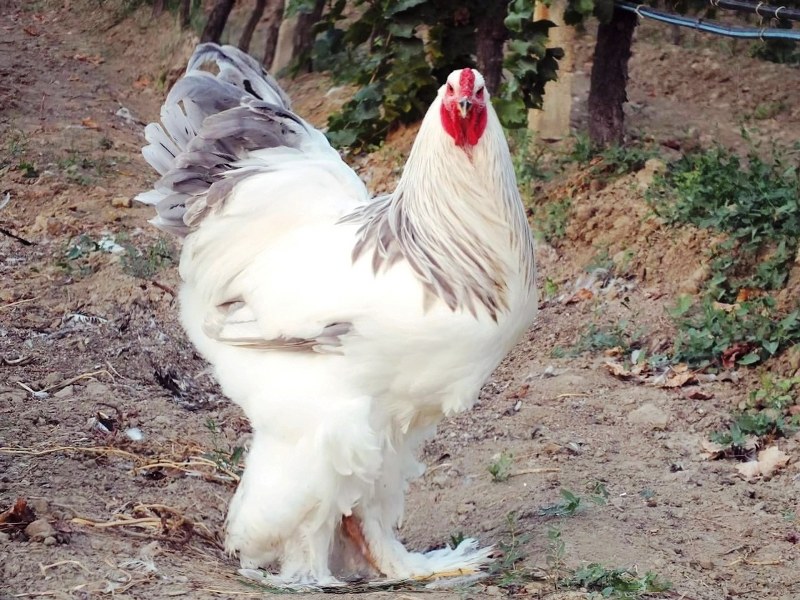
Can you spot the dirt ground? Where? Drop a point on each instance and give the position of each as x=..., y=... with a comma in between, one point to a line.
x=113, y=431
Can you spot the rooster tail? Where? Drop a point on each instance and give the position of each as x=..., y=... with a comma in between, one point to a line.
x=209, y=123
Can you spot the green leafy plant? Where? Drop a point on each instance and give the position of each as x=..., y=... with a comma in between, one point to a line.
x=556, y=554
x=756, y=203
x=507, y=571
x=527, y=157
x=550, y=288
x=529, y=61
x=566, y=507
x=550, y=220
x=29, y=170
x=500, y=467
x=397, y=52
x=618, y=583
x=149, y=261
x=610, y=162
x=745, y=333
x=73, y=257
x=228, y=460
x=766, y=416
x=570, y=503
x=80, y=168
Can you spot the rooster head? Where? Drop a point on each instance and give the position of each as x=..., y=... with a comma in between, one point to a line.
x=464, y=107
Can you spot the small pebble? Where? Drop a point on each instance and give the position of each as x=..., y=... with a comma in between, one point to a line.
x=39, y=529
x=135, y=434
x=65, y=392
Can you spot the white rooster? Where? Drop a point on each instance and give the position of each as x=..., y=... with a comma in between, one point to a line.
x=344, y=326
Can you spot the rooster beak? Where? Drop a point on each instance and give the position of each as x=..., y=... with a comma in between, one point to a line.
x=463, y=106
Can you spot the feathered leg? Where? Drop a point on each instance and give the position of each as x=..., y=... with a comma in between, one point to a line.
x=382, y=512
x=273, y=517
x=296, y=489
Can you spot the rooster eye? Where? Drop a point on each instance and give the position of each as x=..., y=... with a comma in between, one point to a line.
x=479, y=93
x=449, y=89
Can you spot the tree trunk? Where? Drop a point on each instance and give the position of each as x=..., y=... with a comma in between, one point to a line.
x=250, y=27
x=186, y=13
x=158, y=8
x=273, y=27
x=491, y=34
x=216, y=21
x=304, y=36
x=608, y=80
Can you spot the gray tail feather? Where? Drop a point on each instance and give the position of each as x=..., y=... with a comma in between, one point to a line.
x=209, y=122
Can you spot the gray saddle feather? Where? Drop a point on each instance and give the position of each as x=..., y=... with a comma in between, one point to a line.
x=209, y=123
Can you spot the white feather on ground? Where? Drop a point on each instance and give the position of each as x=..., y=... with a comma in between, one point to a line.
x=345, y=327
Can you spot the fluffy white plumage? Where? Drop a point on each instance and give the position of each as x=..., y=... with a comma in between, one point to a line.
x=344, y=327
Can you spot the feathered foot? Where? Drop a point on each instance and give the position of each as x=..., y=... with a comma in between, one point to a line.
x=393, y=560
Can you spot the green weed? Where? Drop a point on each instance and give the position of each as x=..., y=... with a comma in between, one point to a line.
x=617, y=583
x=527, y=157
x=768, y=110
x=754, y=202
x=145, y=263
x=613, y=161
x=570, y=503
x=766, y=416
x=723, y=335
x=500, y=467
x=81, y=169
x=550, y=288
x=73, y=257
x=597, y=338
x=600, y=260
x=556, y=554
x=507, y=570
x=29, y=170
x=230, y=460
x=550, y=220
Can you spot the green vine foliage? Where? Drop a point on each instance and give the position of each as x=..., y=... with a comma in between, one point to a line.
x=577, y=12
x=398, y=52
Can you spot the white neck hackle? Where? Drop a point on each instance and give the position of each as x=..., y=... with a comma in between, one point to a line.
x=456, y=217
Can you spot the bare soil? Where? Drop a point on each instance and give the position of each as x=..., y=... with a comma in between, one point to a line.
x=92, y=358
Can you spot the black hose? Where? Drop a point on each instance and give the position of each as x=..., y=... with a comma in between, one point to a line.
x=747, y=33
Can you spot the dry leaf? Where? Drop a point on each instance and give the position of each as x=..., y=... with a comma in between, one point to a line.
x=141, y=82
x=31, y=31
x=749, y=470
x=522, y=392
x=680, y=368
x=94, y=59
x=611, y=352
x=769, y=461
x=712, y=450
x=772, y=459
x=90, y=123
x=617, y=370
x=734, y=353
x=698, y=394
x=580, y=295
x=679, y=379
x=725, y=307
x=746, y=294
x=794, y=410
